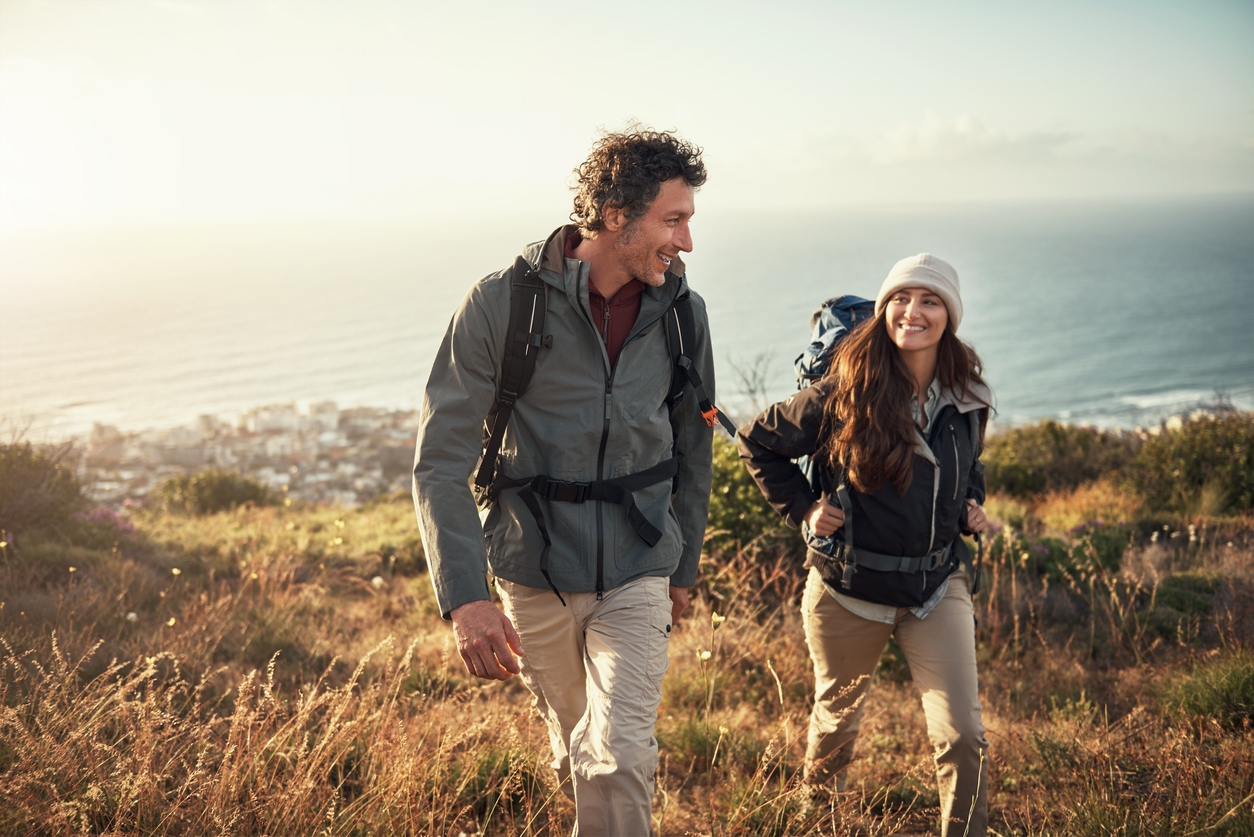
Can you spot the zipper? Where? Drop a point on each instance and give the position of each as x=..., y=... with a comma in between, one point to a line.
x=957, y=468
x=605, y=437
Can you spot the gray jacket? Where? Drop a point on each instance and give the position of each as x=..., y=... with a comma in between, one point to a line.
x=576, y=411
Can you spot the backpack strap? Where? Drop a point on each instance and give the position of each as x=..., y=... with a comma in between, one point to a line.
x=528, y=303
x=681, y=335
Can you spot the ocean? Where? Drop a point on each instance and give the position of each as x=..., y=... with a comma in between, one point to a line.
x=1111, y=314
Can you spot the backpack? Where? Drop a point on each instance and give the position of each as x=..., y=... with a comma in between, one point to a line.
x=524, y=339
x=830, y=323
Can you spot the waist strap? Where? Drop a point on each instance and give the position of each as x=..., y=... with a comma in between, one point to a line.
x=897, y=563
x=617, y=490
x=853, y=558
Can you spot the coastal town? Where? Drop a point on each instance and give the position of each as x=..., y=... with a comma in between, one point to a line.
x=322, y=454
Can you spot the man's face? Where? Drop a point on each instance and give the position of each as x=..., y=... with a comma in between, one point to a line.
x=647, y=245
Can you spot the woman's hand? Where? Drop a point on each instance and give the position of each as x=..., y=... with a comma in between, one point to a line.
x=976, y=521
x=824, y=517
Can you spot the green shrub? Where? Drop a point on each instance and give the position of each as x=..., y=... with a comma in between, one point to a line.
x=1050, y=456
x=1223, y=690
x=738, y=511
x=37, y=490
x=1104, y=542
x=1205, y=467
x=1089, y=546
x=209, y=492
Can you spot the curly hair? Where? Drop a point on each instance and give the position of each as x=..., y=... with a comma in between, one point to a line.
x=627, y=170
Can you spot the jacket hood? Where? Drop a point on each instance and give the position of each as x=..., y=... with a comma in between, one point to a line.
x=978, y=397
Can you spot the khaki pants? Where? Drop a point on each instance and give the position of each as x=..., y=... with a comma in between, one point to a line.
x=941, y=652
x=596, y=668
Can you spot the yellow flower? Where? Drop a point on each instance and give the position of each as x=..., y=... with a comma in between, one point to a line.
x=288, y=501
x=339, y=523
x=171, y=621
x=716, y=619
x=253, y=576
x=722, y=730
x=175, y=570
x=703, y=655
x=73, y=569
x=339, y=541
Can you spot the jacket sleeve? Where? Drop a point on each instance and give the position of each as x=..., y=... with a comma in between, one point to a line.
x=459, y=393
x=692, y=502
x=770, y=443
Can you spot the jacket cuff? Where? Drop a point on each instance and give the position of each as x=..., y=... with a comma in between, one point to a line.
x=800, y=505
x=460, y=591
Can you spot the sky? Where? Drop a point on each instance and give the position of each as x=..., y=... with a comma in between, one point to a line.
x=137, y=112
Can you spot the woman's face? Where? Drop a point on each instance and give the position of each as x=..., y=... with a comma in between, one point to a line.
x=916, y=319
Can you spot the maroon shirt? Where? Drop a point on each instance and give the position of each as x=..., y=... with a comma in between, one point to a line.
x=615, y=323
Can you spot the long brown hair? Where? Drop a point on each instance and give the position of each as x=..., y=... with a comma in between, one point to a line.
x=870, y=428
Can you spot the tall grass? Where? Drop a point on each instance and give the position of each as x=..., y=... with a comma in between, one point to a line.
x=294, y=677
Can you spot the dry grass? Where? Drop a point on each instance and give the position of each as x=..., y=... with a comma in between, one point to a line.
x=261, y=691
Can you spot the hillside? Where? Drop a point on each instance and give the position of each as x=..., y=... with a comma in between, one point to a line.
x=205, y=666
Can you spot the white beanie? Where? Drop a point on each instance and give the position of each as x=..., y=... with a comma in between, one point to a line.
x=924, y=271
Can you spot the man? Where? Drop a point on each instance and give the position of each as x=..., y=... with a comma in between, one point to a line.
x=592, y=567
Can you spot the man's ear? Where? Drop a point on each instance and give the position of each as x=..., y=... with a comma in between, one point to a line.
x=613, y=218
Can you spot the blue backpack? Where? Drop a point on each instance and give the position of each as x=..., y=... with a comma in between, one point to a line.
x=830, y=323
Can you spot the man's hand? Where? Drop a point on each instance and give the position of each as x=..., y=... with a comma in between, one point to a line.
x=487, y=641
x=679, y=601
x=825, y=517
x=976, y=521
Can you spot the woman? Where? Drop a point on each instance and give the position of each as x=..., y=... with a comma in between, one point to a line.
x=894, y=430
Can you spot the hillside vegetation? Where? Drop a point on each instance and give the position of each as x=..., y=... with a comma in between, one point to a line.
x=223, y=662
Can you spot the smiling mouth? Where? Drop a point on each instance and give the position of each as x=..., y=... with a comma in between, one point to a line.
x=666, y=260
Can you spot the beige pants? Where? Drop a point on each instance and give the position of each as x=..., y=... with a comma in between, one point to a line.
x=596, y=668
x=941, y=652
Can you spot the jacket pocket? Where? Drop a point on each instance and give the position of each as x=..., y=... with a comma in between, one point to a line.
x=651, y=395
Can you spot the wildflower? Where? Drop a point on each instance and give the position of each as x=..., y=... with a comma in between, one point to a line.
x=722, y=730
x=132, y=617
x=288, y=501
x=703, y=655
x=1023, y=556
x=176, y=571
x=377, y=582
x=339, y=524
x=717, y=620
x=253, y=576
x=73, y=569
x=1154, y=537
x=339, y=541
x=171, y=621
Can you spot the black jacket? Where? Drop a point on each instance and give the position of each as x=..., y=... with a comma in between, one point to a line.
x=930, y=515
